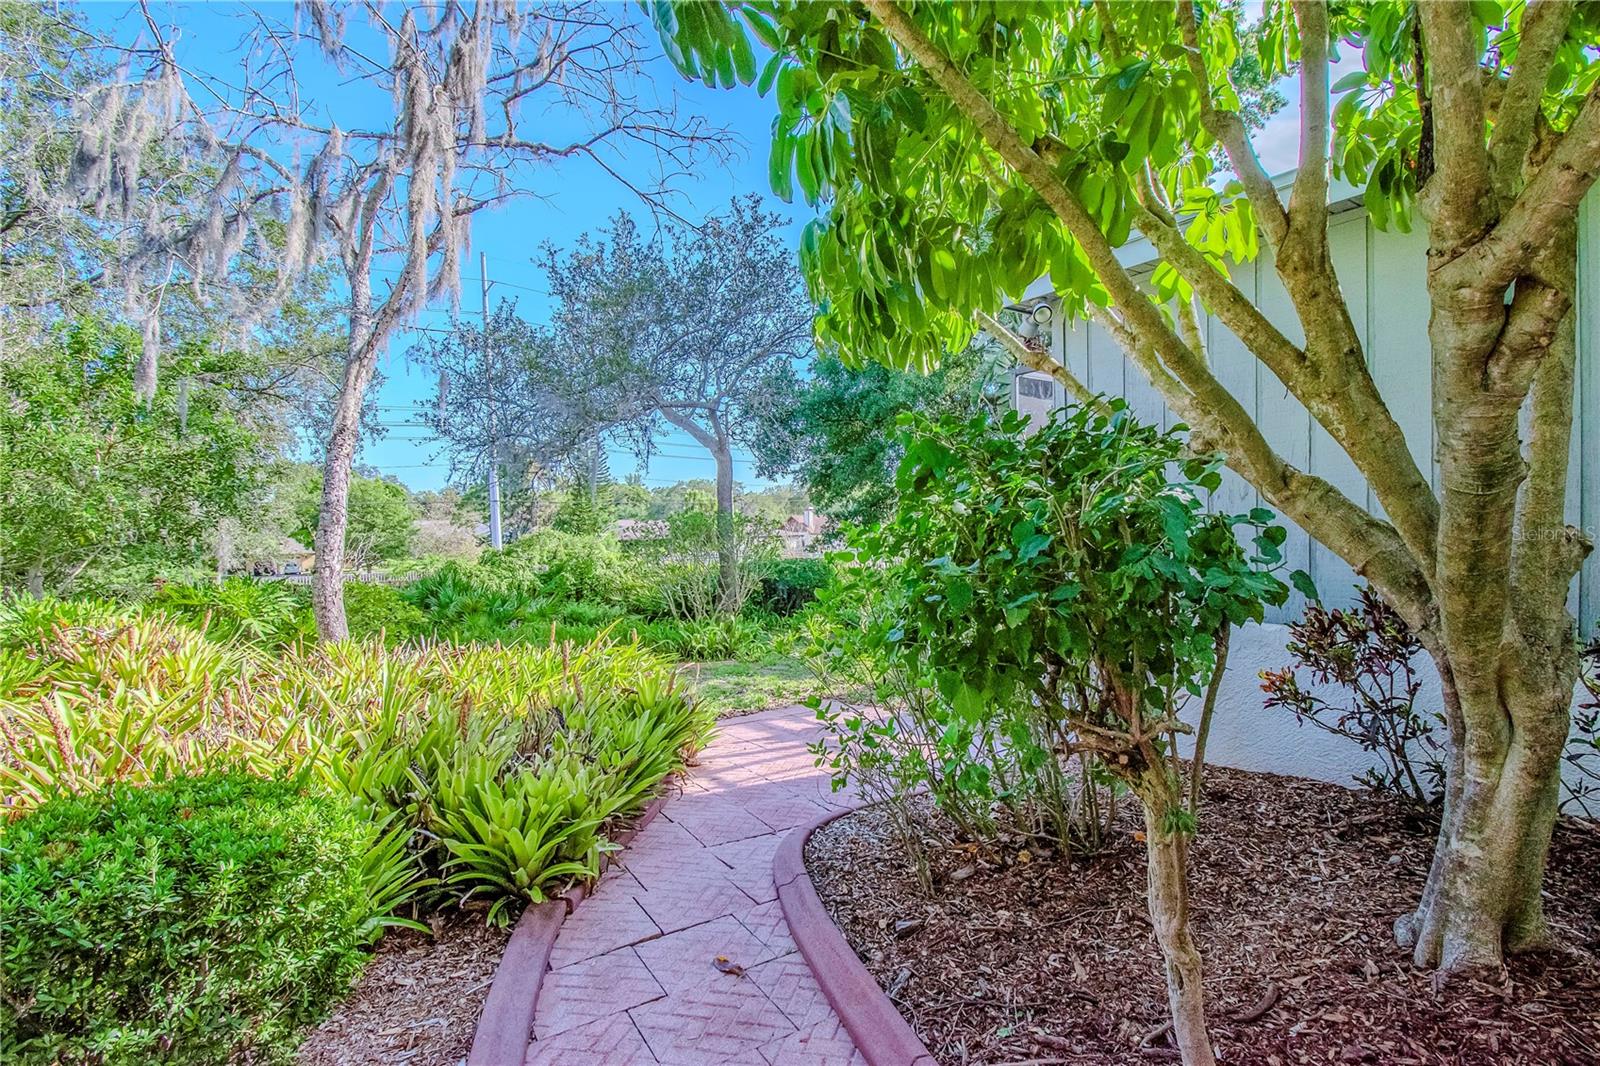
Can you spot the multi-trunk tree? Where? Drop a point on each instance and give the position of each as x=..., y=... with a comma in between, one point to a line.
x=960, y=150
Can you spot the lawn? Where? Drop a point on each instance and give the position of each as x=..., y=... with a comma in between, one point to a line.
x=734, y=687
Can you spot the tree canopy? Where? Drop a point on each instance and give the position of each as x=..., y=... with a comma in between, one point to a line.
x=837, y=432
x=99, y=490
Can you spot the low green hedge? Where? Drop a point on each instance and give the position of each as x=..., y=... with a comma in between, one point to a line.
x=202, y=920
x=371, y=610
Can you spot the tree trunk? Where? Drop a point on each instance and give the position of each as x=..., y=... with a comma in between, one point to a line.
x=1482, y=899
x=1168, y=861
x=327, y=589
x=1505, y=644
x=145, y=371
x=36, y=579
x=727, y=554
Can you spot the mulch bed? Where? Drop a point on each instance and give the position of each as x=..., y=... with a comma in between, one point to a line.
x=1295, y=885
x=418, y=1002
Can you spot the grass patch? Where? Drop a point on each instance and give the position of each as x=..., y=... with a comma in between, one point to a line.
x=732, y=687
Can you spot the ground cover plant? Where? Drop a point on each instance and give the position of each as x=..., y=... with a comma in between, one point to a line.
x=483, y=777
x=198, y=920
x=1063, y=593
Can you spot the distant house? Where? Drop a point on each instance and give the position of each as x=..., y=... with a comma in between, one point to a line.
x=802, y=534
x=639, y=529
x=290, y=560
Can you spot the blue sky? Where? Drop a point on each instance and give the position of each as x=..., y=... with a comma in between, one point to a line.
x=567, y=199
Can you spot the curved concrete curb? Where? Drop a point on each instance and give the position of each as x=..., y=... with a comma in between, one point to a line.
x=880, y=1033
x=506, y=1023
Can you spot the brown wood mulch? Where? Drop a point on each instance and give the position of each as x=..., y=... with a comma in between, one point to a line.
x=1295, y=885
x=418, y=1001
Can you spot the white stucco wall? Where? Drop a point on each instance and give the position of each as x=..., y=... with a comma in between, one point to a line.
x=1249, y=736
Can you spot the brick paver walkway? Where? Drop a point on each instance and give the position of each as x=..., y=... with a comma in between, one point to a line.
x=634, y=977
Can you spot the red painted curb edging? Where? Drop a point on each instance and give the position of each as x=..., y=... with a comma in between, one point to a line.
x=880, y=1033
x=502, y=1034
x=506, y=1024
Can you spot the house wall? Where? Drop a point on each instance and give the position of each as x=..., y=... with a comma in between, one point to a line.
x=1382, y=275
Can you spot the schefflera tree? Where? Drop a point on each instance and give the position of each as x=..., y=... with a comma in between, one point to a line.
x=1075, y=573
x=961, y=150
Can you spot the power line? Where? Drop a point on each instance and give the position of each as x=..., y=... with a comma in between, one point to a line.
x=479, y=279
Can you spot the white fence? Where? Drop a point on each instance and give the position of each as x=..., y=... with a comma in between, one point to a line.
x=396, y=580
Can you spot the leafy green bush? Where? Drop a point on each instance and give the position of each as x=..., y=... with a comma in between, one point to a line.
x=374, y=609
x=198, y=921
x=240, y=608
x=687, y=578
x=561, y=565
x=462, y=604
x=1067, y=591
x=706, y=640
x=790, y=584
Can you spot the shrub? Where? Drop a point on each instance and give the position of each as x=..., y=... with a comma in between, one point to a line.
x=1583, y=750
x=706, y=640
x=198, y=921
x=563, y=566
x=1071, y=588
x=27, y=623
x=1368, y=650
x=374, y=609
x=460, y=603
x=790, y=584
x=261, y=612
x=687, y=576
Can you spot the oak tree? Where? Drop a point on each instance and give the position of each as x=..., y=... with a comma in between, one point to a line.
x=430, y=126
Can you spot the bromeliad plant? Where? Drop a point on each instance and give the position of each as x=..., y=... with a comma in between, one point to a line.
x=494, y=771
x=1076, y=577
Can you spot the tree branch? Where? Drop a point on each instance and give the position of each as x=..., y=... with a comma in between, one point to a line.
x=1308, y=200
x=1458, y=192
x=1034, y=359
x=1547, y=202
x=1544, y=27
x=1371, y=546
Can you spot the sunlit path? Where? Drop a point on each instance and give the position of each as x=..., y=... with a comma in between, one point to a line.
x=682, y=955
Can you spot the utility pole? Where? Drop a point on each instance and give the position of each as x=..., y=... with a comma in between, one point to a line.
x=495, y=540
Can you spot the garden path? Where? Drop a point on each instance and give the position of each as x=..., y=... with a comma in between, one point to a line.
x=640, y=971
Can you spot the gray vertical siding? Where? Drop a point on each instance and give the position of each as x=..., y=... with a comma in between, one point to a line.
x=1382, y=275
